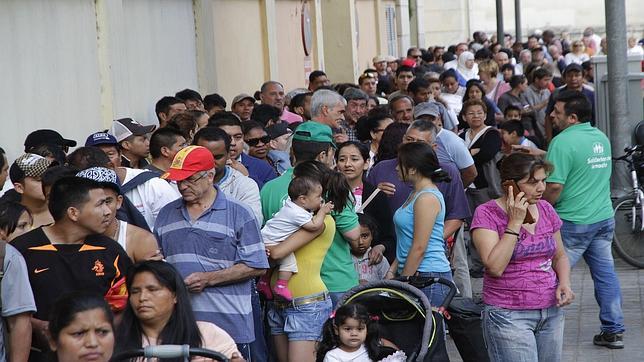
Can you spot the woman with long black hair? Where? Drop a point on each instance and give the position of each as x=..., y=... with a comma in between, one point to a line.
x=159, y=312
x=352, y=159
x=420, y=220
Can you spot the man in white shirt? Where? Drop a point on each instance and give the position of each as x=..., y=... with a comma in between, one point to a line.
x=230, y=181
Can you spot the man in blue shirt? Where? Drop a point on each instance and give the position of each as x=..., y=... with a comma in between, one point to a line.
x=215, y=244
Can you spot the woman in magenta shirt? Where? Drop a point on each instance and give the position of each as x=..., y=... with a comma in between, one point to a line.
x=527, y=273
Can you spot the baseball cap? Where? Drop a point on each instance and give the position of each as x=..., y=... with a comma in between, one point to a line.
x=126, y=127
x=46, y=136
x=573, y=67
x=390, y=58
x=278, y=129
x=29, y=165
x=189, y=161
x=102, y=175
x=379, y=58
x=314, y=132
x=100, y=138
x=408, y=63
x=240, y=97
x=426, y=108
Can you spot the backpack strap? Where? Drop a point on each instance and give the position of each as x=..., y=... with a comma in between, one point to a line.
x=3, y=251
x=138, y=180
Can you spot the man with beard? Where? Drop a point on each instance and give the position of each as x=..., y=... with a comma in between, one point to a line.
x=579, y=189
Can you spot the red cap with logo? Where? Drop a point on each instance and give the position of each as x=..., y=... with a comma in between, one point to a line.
x=188, y=162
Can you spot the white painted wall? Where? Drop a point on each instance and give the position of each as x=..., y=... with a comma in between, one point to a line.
x=157, y=56
x=74, y=65
x=48, y=70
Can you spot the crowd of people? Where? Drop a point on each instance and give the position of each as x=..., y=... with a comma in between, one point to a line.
x=240, y=230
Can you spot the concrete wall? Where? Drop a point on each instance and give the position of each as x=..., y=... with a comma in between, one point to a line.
x=75, y=65
x=48, y=70
x=239, y=59
x=368, y=27
x=290, y=50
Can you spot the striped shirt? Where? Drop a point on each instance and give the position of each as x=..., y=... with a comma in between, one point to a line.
x=224, y=235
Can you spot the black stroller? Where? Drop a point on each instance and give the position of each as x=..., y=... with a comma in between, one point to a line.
x=405, y=315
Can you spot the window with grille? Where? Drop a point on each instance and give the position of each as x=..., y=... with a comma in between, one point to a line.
x=390, y=19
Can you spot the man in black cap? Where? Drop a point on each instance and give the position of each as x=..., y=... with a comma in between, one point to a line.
x=47, y=137
x=134, y=141
x=574, y=78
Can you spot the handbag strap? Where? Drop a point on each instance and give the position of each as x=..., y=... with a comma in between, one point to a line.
x=369, y=199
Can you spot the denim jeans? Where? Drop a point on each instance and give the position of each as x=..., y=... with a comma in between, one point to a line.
x=531, y=335
x=300, y=323
x=593, y=242
x=335, y=298
x=436, y=292
x=259, y=349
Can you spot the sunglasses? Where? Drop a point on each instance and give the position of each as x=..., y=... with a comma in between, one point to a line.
x=252, y=142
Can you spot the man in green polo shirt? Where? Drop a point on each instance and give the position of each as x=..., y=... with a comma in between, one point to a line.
x=579, y=189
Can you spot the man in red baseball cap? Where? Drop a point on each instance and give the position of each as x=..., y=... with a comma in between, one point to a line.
x=206, y=225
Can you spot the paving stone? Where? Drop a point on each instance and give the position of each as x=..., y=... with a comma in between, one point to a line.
x=582, y=318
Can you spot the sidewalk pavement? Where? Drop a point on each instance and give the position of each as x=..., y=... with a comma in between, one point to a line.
x=582, y=318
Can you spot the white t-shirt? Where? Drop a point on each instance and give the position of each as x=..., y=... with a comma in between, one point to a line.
x=338, y=355
x=287, y=221
x=370, y=273
x=150, y=196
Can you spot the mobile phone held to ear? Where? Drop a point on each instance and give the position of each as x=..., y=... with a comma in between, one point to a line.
x=529, y=219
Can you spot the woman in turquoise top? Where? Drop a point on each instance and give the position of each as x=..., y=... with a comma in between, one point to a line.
x=419, y=221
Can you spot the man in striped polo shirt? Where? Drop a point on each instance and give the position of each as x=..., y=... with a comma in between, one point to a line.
x=215, y=243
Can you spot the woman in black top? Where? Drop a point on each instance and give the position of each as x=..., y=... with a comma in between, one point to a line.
x=353, y=160
x=484, y=143
x=475, y=91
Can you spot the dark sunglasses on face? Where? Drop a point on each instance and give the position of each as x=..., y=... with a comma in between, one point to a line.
x=252, y=142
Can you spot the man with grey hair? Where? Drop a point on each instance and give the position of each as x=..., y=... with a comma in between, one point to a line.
x=215, y=243
x=525, y=57
x=450, y=148
x=328, y=107
x=356, y=108
x=272, y=93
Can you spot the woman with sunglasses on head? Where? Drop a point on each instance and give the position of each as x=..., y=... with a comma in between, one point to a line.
x=527, y=274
